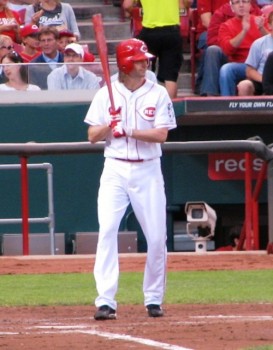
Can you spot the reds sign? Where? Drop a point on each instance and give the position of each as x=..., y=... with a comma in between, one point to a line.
x=231, y=166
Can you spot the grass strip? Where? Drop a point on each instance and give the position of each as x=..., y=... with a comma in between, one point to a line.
x=189, y=287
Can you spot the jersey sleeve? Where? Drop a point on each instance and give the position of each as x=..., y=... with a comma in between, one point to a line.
x=165, y=116
x=97, y=113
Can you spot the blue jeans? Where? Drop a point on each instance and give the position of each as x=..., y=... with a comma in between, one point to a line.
x=230, y=75
x=202, y=45
x=213, y=60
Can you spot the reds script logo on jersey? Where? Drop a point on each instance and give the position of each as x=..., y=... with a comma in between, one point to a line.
x=148, y=113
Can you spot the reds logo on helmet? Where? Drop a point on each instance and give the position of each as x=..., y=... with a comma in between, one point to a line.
x=130, y=51
x=143, y=48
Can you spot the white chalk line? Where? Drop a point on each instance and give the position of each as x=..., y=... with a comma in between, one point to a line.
x=235, y=317
x=112, y=336
x=198, y=320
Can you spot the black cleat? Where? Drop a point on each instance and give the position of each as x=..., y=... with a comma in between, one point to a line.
x=105, y=312
x=154, y=310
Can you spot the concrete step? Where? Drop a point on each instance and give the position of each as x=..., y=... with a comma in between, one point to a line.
x=85, y=11
x=184, y=81
x=113, y=30
x=111, y=46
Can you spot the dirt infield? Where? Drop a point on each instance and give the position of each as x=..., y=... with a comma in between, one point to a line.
x=197, y=327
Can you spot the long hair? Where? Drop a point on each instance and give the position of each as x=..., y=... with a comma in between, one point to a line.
x=16, y=58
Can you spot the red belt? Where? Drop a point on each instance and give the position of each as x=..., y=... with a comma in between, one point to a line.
x=130, y=160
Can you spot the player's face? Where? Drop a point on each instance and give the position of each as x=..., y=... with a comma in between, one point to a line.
x=140, y=68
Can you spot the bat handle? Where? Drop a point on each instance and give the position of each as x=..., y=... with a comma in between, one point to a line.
x=114, y=112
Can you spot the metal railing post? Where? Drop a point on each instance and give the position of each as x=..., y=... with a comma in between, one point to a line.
x=25, y=205
x=51, y=208
x=255, y=205
x=26, y=220
x=248, y=203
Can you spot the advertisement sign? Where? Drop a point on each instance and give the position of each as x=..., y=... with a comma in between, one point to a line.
x=231, y=166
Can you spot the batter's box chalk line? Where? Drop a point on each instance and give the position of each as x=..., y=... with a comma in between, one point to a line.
x=112, y=336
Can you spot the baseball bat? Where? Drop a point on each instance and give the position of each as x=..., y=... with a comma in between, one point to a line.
x=103, y=53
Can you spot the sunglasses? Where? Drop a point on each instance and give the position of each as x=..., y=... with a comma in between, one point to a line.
x=14, y=56
x=10, y=47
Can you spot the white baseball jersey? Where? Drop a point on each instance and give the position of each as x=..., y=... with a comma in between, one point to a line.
x=148, y=107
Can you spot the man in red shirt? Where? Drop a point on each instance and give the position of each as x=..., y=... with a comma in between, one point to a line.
x=205, y=10
x=221, y=15
x=224, y=65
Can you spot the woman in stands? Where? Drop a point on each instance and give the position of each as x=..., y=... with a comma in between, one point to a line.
x=16, y=74
x=9, y=22
x=53, y=13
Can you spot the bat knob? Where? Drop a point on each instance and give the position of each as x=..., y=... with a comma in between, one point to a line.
x=114, y=112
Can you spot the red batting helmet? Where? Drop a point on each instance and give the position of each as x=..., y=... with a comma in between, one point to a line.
x=130, y=51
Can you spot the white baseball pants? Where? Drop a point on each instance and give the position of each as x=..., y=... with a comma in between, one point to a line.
x=142, y=185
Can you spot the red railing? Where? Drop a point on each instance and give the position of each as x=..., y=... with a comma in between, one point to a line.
x=249, y=237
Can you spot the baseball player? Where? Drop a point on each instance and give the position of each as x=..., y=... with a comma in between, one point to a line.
x=131, y=174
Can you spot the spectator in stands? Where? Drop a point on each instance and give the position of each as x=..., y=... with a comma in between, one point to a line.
x=48, y=38
x=19, y=6
x=53, y=13
x=161, y=33
x=262, y=3
x=267, y=77
x=66, y=37
x=16, y=74
x=134, y=11
x=224, y=64
x=205, y=9
x=249, y=28
x=9, y=22
x=6, y=46
x=255, y=63
x=210, y=37
x=31, y=44
x=72, y=76
x=221, y=15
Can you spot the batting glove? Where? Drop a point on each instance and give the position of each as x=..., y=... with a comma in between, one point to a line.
x=121, y=131
x=115, y=117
